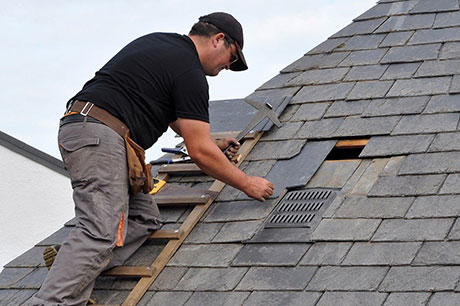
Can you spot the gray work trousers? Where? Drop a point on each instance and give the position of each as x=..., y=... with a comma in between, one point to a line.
x=107, y=215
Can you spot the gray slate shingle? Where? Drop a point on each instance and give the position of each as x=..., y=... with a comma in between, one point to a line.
x=435, y=207
x=371, y=208
x=387, y=9
x=326, y=253
x=447, y=19
x=394, y=39
x=165, y=298
x=443, y=104
x=366, y=57
x=438, y=68
x=427, y=124
x=413, y=230
x=310, y=111
x=215, y=299
x=205, y=255
x=434, y=36
x=386, y=253
x=406, y=23
x=276, y=150
x=210, y=279
x=360, y=73
x=444, y=299
x=430, y=252
x=455, y=87
x=239, y=211
x=363, y=42
x=369, y=90
x=396, y=145
x=400, y=71
x=400, y=279
x=450, y=50
x=356, y=126
x=338, y=278
x=237, y=231
x=276, y=278
x=446, y=142
x=279, y=81
x=329, y=45
x=270, y=255
x=396, y=106
x=345, y=229
x=420, y=87
x=352, y=298
x=433, y=163
x=407, y=185
x=426, y=6
x=318, y=93
x=451, y=185
x=204, y=232
x=411, y=54
x=319, y=76
x=287, y=131
x=15, y=297
x=319, y=129
x=281, y=298
x=455, y=231
x=360, y=27
x=316, y=61
x=346, y=108
x=407, y=299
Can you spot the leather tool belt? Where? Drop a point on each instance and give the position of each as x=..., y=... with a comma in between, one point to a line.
x=140, y=176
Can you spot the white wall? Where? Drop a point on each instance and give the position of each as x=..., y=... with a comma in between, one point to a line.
x=35, y=201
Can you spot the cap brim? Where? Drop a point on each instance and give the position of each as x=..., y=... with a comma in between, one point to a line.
x=240, y=64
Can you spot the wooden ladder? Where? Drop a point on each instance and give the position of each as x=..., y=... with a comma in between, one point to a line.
x=202, y=202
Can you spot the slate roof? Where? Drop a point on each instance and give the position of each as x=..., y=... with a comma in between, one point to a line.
x=392, y=234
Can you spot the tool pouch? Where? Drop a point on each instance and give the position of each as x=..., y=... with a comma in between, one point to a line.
x=140, y=177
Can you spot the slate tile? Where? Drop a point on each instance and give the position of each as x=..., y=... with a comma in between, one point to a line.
x=144, y=256
x=400, y=71
x=9, y=276
x=241, y=111
x=446, y=142
x=451, y=185
x=406, y=23
x=360, y=73
x=386, y=253
x=415, y=53
x=455, y=87
x=15, y=297
x=109, y=297
x=288, y=112
x=450, y=50
x=444, y=299
x=327, y=92
x=338, y=278
x=434, y=278
x=434, y=36
x=387, y=9
x=114, y=283
x=168, y=278
x=316, y=61
x=32, y=280
x=345, y=230
x=455, y=231
x=427, y=124
x=360, y=27
x=205, y=255
x=319, y=76
x=276, y=150
x=366, y=57
x=395, y=106
x=369, y=89
x=211, y=279
x=363, y=207
x=407, y=185
x=363, y=42
x=203, y=232
x=334, y=174
x=352, y=298
x=279, y=80
x=328, y=46
x=439, y=253
x=237, y=231
x=346, y=108
x=435, y=206
x=443, y=104
x=285, y=132
x=393, y=165
x=171, y=214
x=420, y=87
x=413, y=230
x=32, y=258
x=426, y=6
x=364, y=184
x=394, y=39
x=407, y=299
x=288, y=173
x=326, y=253
x=435, y=163
x=240, y=211
x=277, y=278
x=310, y=111
x=319, y=129
x=438, y=68
x=217, y=298
x=448, y=19
x=355, y=177
x=165, y=298
x=270, y=254
x=356, y=126
x=281, y=298
x=396, y=145
x=273, y=96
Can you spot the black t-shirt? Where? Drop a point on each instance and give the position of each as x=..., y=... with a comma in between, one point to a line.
x=150, y=83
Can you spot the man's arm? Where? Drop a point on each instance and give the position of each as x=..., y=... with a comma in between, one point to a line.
x=208, y=156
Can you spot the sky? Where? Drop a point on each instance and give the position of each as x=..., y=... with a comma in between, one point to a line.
x=50, y=48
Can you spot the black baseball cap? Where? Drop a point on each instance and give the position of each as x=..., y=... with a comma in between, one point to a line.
x=231, y=27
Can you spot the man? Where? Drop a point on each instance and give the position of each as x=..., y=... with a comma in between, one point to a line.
x=154, y=82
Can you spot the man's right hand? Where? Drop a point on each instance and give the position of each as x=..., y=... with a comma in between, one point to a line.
x=259, y=188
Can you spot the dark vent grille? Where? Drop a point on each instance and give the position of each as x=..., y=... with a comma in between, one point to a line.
x=299, y=208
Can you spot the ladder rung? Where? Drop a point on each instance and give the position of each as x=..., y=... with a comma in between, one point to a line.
x=130, y=271
x=167, y=200
x=180, y=169
x=166, y=234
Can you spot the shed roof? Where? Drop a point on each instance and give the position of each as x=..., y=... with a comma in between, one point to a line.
x=392, y=234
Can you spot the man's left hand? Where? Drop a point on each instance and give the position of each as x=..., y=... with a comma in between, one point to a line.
x=225, y=142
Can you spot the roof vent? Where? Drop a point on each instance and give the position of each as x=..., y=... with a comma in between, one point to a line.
x=296, y=216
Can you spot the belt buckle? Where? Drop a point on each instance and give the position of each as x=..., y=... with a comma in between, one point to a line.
x=86, y=109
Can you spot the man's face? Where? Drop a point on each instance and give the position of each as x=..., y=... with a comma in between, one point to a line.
x=221, y=57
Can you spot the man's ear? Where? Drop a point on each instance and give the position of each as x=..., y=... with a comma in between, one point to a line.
x=216, y=38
